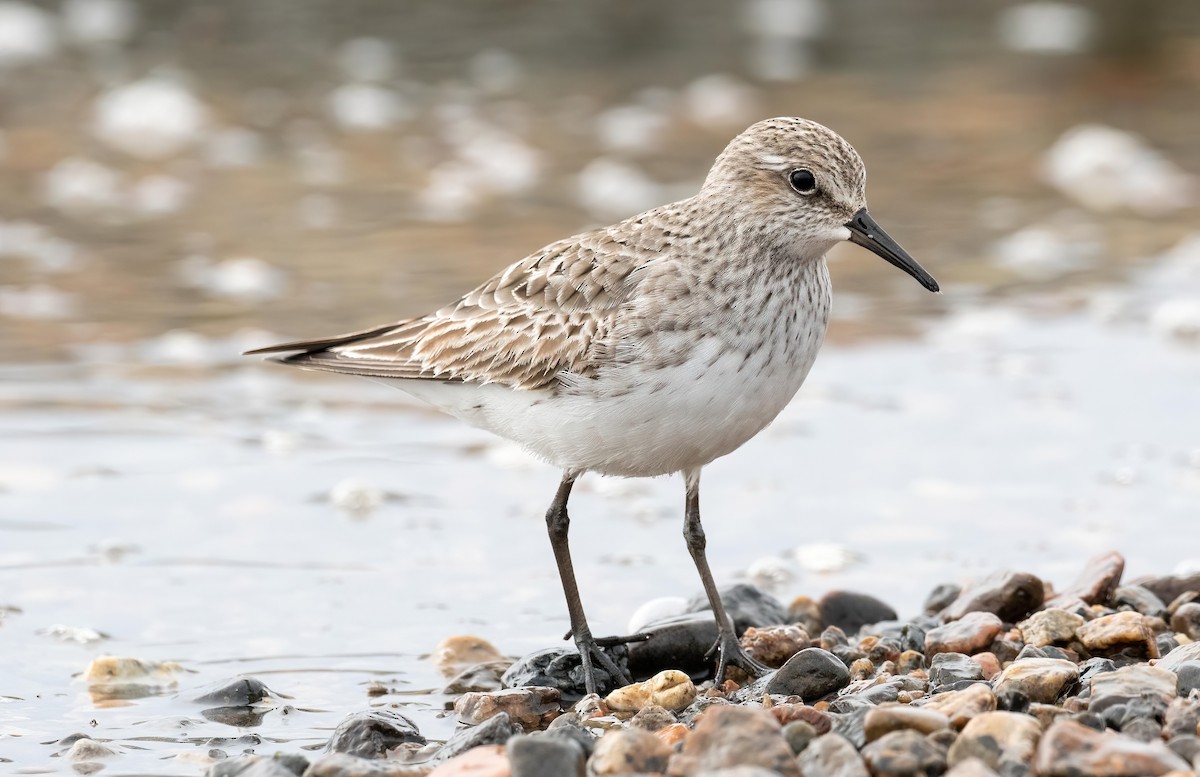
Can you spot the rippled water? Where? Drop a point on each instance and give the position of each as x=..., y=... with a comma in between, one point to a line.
x=163, y=498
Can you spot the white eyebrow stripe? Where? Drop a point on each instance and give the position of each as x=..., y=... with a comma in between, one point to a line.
x=773, y=161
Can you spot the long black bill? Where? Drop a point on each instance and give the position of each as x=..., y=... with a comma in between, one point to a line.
x=866, y=233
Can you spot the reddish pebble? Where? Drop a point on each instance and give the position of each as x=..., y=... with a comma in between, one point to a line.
x=482, y=761
x=989, y=663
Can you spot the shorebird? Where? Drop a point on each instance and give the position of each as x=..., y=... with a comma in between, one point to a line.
x=649, y=347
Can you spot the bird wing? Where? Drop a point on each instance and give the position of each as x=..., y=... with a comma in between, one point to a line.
x=539, y=318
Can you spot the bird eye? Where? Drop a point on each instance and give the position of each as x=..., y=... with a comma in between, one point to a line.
x=803, y=181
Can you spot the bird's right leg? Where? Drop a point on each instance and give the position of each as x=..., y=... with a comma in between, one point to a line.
x=557, y=524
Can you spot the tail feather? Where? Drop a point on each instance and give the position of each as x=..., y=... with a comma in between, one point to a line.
x=309, y=346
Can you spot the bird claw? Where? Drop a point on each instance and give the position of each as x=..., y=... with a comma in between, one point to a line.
x=729, y=651
x=592, y=650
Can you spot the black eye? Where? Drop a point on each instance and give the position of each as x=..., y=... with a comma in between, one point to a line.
x=803, y=181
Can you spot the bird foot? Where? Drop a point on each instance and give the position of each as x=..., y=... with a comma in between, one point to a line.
x=592, y=656
x=729, y=652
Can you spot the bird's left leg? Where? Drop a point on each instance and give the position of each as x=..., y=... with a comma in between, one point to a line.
x=728, y=649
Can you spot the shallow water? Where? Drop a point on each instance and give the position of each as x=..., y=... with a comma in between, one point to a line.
x=190, y=505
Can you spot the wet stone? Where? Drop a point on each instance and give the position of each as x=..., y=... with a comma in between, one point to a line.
x=1138, y=599
x=1186, y=620
x=561, y=668
x=733, y=736
x=478, y=678
x=1170, y=587
x=904, y=753
x=852, y=723
x=1038, y=679
x=806, y=613
x=1008, y=595
x=679, y=643
x=1181, y=654
x=941, y=597
x=1182, y=717
x=1186, y=747
x=1050, y=626
x=798, y=734
x=371, y=734
x=629, y=751
x=493, y=731
x=747, y=605
x=786, y=713
x=774, y=645
x=972, y=767
x=851, y=611
x=831, y=756
x=462, y=651
x=281, y=765
x=671, y=689
x=543, y=756
x=1068, y=749
x=1097, y=581
x=1138, y=682
x=810, y=674
x=342, y=765
x=910, y=661
x=961, y=706
x=240, y=692
x=884, y=720
x=948, y=671
x=972, y=633
x=1119, y=632
x=1005, y=741
x=988, y=664
x=531, y=707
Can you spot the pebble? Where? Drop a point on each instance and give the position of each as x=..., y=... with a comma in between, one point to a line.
x=342, y=765
x=543, y=756
x=278, y=765
x=1186, y=620
x=747, y=605
x=887, y=719
x=960, y=706
x=1009, y=595
x=562, y=668
x=1138, y=599
x=774, y=645
x=494, y=731
x=371, y=734
x=988, y=663
x=950, y=670
x=831, y=755
x=732, y=736
x=1049, y=626
x=1004, y=741
x=1150, y=686
x=124, y=677
x=652, y=718
x=810, y=674
x=1117, y=632
x=798, y=734
x=461, y=652
x=1170, y=587
x=486, y=676
x=629, y=751
x=941, y=597
x=531, y=706
x=1188, y=674
x=1068, y=749
x=972, y=632
x=1180, y=655
x=1038, y=679
x=904, y=753
x=786, y=713
x=851, y=611
x=805, y=613
x=679, y=643
x=670, y=689
x=972, y=767
x=85, y=749
x=484, y=761
x=241, y=692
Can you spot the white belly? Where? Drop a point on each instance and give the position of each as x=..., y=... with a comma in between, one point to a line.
x=635, y=421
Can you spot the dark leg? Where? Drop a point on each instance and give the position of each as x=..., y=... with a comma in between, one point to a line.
x=557, y=523
x=728, y=649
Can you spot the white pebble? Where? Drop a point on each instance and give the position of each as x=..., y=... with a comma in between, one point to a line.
x=246, y=278
x=366, y=59
x=780, y=59
x=770, y=573
x=500, y=162
x=27, y=34
x=631, y=128
x=719, y=101
x=159, y=195
x=233, y=147
x=794, y=19
x=34, y=243
x=153, y=118
x=356, y=498
x=280, y=442
x=1177, y=318
x=607, y=188
x=1105, y=169
x=1046, y=27
x=81, y=186
x=366, y=107
x=495, y=71
x=656, y=610
x=1041, y=253
x=78, y=634
x=38, y=302
x=177, y=346
x=99, y=22
x=824, y=557
x=451, y=194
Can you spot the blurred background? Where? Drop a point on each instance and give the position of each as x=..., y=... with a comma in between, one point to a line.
x=182, y=181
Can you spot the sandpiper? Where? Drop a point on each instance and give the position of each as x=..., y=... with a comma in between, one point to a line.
x=649, y=347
